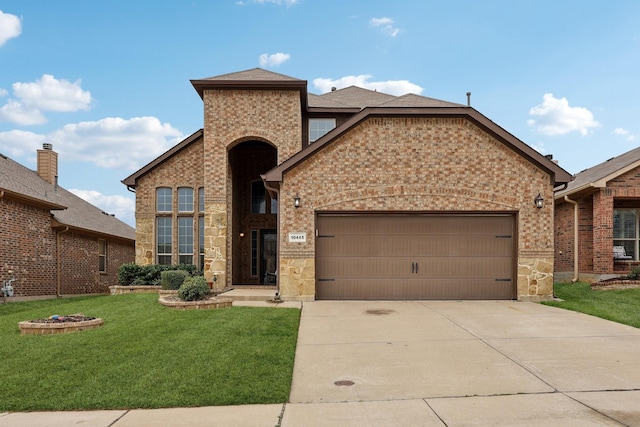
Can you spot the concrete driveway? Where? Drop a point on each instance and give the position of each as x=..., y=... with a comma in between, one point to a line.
x=462, y=364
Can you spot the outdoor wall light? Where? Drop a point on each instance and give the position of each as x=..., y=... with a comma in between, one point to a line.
x=241, y=234
x=296, y=201
x=538, y=201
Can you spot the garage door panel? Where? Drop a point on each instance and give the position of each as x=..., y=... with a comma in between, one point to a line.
x=415, y=256
x=358, y=289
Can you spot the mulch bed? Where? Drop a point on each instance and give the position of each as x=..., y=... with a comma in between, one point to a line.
x=616, y=283
x=63, y=319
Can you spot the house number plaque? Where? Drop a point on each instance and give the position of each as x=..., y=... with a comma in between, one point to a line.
x=299, y=236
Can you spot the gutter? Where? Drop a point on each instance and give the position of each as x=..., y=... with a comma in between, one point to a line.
x=276, y=191
x=58, y=262
x=575, y=238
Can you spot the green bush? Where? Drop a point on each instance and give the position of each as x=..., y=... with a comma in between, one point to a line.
x=193, y=288
x=172, y=279
x=634, y=273
x=137, y=275
x=127, y=273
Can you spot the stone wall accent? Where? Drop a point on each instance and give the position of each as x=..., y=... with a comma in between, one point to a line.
x=419, y=164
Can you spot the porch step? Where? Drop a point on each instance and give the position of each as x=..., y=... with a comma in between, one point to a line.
x=250, y=294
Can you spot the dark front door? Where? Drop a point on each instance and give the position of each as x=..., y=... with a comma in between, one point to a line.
x=268, y=257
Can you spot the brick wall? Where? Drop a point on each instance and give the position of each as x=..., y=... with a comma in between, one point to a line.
x=417, y=164
x=27, y=248
x=182, y=170
x=230, y=118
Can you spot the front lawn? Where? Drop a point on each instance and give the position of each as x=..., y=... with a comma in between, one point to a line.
x=622, y=306
x=146, y=356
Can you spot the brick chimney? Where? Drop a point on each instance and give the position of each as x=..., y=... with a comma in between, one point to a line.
x=48, y=163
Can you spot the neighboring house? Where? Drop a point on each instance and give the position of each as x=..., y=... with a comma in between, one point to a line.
x=596, y=221
x=353, y=194
x=53, y=242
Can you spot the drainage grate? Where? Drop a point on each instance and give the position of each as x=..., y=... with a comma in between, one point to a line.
x=344, y=383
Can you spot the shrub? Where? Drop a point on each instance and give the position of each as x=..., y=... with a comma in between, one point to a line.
x=173, y=279
x=193, y=288
x=634, y=273
x=127, y=273
x=136, y=275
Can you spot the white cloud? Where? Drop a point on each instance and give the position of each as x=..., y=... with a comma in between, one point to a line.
x=274, y=59
x=45, y=94
x=392, y=87
x=20, y=114
x=122, y=207
x=555, y=117
x=3, y=92
x=50, y=94
x=624, y=133
x=386, y=25
x=112, y=142
x=10, y=27
x=19, y=143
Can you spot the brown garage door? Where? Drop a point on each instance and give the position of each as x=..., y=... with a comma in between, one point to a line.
x=415, y=256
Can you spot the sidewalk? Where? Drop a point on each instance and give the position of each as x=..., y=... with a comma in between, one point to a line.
x=430, y=363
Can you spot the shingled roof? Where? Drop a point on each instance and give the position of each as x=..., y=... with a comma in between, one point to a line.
x=67, y=209
x=598, y=176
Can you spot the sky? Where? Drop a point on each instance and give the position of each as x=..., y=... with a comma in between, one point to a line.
x=107, y=82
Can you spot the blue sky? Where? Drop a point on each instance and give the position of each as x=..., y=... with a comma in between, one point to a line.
x=107, y=82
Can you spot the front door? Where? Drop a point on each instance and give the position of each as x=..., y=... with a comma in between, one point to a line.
x=268, y=257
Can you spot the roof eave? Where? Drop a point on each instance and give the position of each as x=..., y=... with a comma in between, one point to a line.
x=55, y=223
x=207, y=84
x=31, y=200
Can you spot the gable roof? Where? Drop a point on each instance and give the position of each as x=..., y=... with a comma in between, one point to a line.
x=67, y=209
x=130, y=181
x=598, y=176
x=558, y=175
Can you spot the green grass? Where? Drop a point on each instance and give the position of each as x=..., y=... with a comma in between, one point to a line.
x=622, y=306
x=146, y=356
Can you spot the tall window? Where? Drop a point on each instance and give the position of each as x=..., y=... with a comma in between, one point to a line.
x=260, y=199
x=201, y=241
x=163, y=199
x=320, y=127
x=102, y=255
x=185, y=199
x=185, y=240
x=626, y=231
x=200, y=199
x=163, y=240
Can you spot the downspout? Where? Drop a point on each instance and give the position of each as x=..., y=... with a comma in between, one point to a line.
x=58, y=261
x=575, y=238
x=277, y=192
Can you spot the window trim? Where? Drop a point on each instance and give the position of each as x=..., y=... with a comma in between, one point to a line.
x=164, y=201
x=102, y=256
x=635, y=239
x=181, y=195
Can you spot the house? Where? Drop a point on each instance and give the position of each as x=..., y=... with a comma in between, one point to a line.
x=353, y=194
x=53, y=242
x=596, y=221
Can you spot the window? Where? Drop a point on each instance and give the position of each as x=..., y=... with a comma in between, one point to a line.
x=163, y=199
x=185, y=240
x=260, y=199
x=185, y=199
x=102, y=256
x=163, y=238
x=320, y=127
x=201, y=241
x=625, y=231
x=254, y=252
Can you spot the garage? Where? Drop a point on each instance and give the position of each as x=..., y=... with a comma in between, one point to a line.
x=415, y=256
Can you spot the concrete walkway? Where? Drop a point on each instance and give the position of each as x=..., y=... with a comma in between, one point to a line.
x=497, y=363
